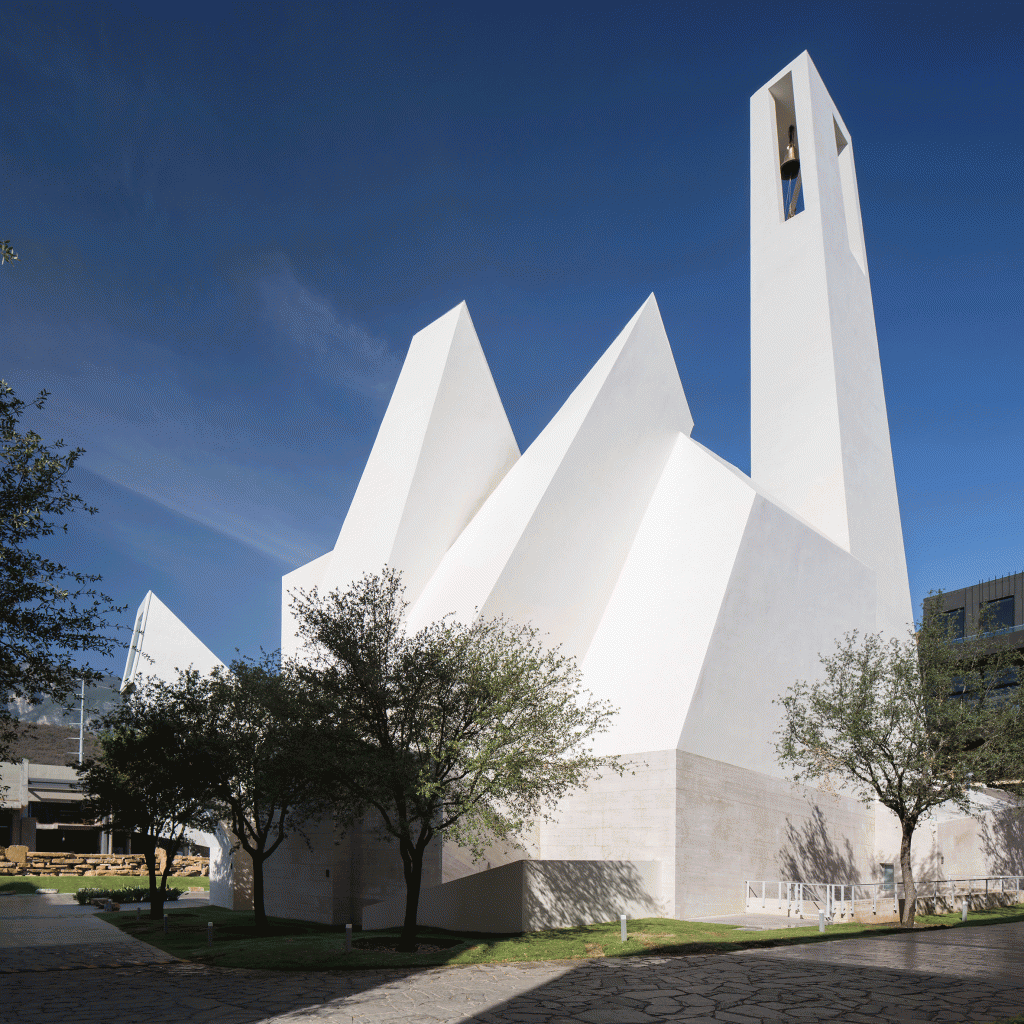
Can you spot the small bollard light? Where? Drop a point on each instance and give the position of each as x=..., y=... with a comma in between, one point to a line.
x=138, y=912
x=209, y=933
x=165, y=924
x=821, y=920
x=963, y=910
x=348, y=938
x=622, y=927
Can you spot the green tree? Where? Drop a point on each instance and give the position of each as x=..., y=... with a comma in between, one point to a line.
x=466, y=732
x=7, y=254
x=911, y=723
x=151, y=778
x=260, y=743
x=42, y=628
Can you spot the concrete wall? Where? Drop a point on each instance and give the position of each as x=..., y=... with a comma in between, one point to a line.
x=458, y=862
x=531, y=895
x=631, y=818
x=733, y=824
x=221, y=881
x=955, y=845
x=333, y=878
x=712, y=826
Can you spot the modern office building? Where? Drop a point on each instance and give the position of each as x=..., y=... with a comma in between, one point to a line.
x=993, y=609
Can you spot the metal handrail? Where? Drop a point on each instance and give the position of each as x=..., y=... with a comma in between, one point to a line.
x=993, y=632
x=831, y=895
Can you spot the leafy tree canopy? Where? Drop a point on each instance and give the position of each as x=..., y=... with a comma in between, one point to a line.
x=467, y=732
x=911, y=723
x=43, y=628
x=151, y=778
x=261, y=743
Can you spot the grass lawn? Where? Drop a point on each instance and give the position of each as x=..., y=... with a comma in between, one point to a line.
x=300, y=945
x=70, y=883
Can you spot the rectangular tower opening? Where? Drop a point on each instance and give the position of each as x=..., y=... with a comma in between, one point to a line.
x=851, y=204
x=786, y=129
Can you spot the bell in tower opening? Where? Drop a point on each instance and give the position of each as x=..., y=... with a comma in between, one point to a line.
x=791, y=173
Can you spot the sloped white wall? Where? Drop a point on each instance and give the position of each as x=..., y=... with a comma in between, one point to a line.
x=162, y=645
x=548, y=544
x=444, y=444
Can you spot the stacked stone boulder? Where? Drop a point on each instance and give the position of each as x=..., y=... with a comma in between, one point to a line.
x=17, y=860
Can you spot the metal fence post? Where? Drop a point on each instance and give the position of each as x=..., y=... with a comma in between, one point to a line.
x=762, y=894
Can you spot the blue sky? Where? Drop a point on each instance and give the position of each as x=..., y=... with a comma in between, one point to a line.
x=231, y=219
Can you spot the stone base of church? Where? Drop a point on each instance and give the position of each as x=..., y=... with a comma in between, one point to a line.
x=679, y=835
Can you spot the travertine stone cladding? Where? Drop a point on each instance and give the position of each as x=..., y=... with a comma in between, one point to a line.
x=56, y=864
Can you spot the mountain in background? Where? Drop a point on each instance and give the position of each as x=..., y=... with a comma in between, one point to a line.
x=99, y=699
x=52, y=744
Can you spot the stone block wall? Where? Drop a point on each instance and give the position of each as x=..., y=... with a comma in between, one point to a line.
x=20, y=861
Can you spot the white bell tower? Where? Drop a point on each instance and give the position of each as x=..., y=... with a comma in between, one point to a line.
x=819, y=429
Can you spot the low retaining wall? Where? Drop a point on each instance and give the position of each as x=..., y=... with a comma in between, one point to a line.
x=531, y=895
x=19, y=861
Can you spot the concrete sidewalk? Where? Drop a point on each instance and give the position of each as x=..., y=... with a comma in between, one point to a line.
x=52, y=932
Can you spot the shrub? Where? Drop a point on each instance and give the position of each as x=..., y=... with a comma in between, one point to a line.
x=129, y=894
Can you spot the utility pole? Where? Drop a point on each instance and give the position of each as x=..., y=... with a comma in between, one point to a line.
x=81, y=725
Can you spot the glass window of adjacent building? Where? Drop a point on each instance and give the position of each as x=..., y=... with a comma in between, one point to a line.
x=955, y=622
x=998, y=614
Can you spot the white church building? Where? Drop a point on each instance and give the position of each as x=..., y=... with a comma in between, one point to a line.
x=691, y=594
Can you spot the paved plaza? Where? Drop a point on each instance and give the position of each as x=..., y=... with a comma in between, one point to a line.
x=61, y=964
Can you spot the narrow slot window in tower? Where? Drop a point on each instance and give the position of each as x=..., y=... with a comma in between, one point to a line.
x=851, y=204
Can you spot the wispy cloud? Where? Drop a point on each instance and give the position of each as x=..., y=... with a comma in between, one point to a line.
x=219, y=464
x=349, y=353
x=209, y=493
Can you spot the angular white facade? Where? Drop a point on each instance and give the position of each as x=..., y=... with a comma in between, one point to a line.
x=444, y=445
x=691, y=594
x=819, y=431
x=162, y=645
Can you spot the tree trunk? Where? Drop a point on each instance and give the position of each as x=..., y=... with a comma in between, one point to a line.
x=156, y=903
x=909, y=888
x=170, y=852
x=412, y=861
x=258, y=907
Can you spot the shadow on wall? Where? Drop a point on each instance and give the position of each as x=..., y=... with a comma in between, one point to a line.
x=810, y=855
x=1002, y=840
x=532, y=895
x=562, y=893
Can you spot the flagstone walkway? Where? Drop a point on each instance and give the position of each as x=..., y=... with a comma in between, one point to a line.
x=964, y=974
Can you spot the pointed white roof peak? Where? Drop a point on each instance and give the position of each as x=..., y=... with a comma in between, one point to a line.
x=444, y=444
x=162, y=645
x=594, y=465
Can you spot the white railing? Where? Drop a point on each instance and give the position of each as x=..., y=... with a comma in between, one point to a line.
x=839, y=899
